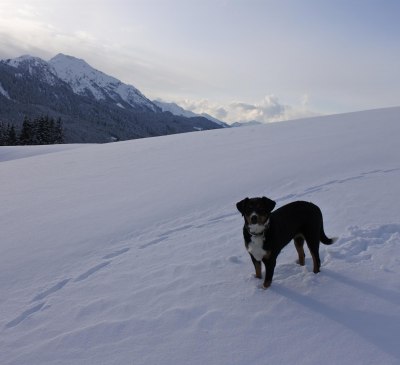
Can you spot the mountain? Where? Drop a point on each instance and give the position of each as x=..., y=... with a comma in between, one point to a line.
x=93, y=106
x=178, y=110
x=85, y=80
x=251, y=123
x=174, y=109
x=132, y=253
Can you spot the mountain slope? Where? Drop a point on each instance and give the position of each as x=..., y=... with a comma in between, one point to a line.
x=132, y=252
x=85, y=80
x=178, y=110
x=94, y=107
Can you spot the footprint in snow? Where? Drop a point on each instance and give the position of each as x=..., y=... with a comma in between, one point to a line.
x=25, y=315
x=29, y=312
x=234, y=260
x=51, y=290
x=328, y=184
x=354, y=246
x=116, y=253
x=91, y=271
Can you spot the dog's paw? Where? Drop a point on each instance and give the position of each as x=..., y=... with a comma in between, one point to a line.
x=301, y=262
x=266, y=284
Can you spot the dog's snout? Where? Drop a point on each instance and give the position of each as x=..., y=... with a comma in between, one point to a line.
x=253, y=219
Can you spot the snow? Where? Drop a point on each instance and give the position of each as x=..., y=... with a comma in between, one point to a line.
x=82, y=78
x=34, y=66
x=16, y=152
x=16, y=62
x=79, y=75
x=4, y=92
x=132, y=252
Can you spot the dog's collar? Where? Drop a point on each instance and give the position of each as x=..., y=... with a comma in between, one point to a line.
x=266, y=226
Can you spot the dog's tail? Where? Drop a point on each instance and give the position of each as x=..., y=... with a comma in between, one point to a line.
x=324, y=239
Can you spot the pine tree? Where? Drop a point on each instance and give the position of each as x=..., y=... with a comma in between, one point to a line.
x=11, y=136
x=58, y=132
x=26, y=136
x=42, y=130
x=2, y=135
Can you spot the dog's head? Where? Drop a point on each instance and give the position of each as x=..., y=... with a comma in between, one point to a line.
x=256, y=212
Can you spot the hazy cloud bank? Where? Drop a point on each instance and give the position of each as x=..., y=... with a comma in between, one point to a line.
x=270, y=109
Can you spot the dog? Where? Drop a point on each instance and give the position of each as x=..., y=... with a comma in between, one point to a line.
x=266, y=233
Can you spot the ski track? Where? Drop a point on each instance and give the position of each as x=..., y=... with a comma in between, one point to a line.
x=351, y=248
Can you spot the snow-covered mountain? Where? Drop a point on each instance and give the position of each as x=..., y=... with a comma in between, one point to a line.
x=132, y=252
x=93, y=106
x=174, y=109
x=35, y=67
x=178, y=110
x=251, y=123
x=85, y=80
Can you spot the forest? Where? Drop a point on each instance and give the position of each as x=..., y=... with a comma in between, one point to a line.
x=37, y=131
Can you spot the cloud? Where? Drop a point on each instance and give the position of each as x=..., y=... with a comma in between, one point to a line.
x=269, y=109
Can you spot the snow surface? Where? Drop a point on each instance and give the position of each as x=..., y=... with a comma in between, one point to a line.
x=132, y=252
x=16, y=152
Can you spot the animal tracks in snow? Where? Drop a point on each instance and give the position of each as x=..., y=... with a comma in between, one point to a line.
x=352, y=247
x=55, y=288
x=51, y=290
x=174, y=228
x=25, y=315
x=91, y=271
x=116, y=253
x=327, y=185
x=164, y=236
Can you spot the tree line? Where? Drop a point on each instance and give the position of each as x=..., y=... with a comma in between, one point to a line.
x=42, y=130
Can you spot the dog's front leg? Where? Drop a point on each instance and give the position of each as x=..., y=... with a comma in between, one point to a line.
x=270, y=263
x=257, y=266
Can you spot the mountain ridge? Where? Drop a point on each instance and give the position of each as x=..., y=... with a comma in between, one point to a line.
x=83, y=78
x=94, y=106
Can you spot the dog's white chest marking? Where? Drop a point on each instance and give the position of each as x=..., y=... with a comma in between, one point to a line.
x=255, y=247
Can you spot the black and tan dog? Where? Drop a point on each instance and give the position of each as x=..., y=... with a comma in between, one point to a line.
x=266, y=232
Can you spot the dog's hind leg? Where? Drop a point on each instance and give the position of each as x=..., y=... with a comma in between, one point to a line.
x=299, y=244
x=314, y=249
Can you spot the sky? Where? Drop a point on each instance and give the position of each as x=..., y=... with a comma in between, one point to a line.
x=237, y=60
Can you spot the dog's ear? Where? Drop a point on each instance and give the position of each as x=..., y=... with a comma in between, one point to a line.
x=241, y=205
x=269, y=204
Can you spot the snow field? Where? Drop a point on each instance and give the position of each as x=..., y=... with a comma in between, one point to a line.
x=132, y=253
